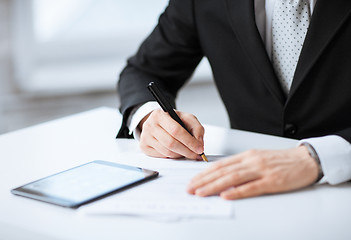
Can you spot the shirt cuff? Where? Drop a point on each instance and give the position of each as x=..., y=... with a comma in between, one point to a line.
x=334, y=153
x=137, y=115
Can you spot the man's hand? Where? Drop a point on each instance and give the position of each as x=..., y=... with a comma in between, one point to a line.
x=161, y=136
x=255, y=173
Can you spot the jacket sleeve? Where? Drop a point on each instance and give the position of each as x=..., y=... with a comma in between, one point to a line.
x=346, y=134
x=168, y=56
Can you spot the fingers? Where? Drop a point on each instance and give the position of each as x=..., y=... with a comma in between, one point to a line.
x=251, y=189
x=169, y=146
x=193, y=125
x=164, y=135
x=218, y=183
x=226, y=175
x=231, y=178
x=217, y=170
x=207, y=176
x=180, y=134
x=256, y=172
x=219, y=176
x=157, y=153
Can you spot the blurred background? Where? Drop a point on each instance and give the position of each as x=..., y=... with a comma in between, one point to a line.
x=60, y=57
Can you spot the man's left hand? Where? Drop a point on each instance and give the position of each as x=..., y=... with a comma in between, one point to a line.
x=256, y=172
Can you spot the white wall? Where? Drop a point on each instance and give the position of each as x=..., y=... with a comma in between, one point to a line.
x=4, y=57
x=21, y=108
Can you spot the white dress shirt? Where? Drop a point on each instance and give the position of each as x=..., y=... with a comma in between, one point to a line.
x=334, y=152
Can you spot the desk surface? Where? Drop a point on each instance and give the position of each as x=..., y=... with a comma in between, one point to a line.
x=318, y=212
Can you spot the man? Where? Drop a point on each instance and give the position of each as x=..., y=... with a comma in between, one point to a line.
x=282, y=67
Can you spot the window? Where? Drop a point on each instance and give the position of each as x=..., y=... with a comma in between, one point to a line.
x=78, y=45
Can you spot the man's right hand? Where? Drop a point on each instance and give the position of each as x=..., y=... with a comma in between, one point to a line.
x=161, y=136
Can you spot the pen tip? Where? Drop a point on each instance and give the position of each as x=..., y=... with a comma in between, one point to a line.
x=204, y=157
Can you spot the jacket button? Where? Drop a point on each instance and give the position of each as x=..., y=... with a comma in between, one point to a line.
x=290, y=129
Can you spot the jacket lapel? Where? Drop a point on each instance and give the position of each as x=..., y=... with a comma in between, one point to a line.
x=242, y=17
x=328, y=17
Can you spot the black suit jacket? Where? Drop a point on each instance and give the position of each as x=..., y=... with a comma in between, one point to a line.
x=224, y=31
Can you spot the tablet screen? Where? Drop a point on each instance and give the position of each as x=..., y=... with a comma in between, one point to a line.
x=84, y=183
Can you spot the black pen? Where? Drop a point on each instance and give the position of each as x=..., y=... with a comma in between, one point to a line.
x=167, y=107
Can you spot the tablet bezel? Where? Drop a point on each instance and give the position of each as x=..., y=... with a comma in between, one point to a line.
x=37, y=195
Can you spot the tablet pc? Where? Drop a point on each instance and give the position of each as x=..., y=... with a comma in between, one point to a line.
x=85, y=183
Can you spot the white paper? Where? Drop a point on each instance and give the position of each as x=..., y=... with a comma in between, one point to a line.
x=165, y=197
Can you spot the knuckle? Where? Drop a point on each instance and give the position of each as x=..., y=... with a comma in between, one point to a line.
x=193, y=145
x=175, y=156
x=253, y=188
x=277, y=179
x=149, y=123
x=221, y=172
x=213, y=186
x=252, y=152
x=170, y=144
x=183, y=114
x=266, y=187
x=151, y=154
x=168, y=153
x=259, y=161
x=174, y=131
x=157, y=112
x=147, y=151
x=191, y=156
x=279, y=183
x=153, y=115
x=142, y=145
x=199, y=129
x=217, y=166
x=156, y=115
x=188, y=117
x=239, y=193
x=147, y=126
x=234, y=177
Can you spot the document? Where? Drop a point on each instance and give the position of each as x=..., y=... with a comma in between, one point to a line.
x=164, y=198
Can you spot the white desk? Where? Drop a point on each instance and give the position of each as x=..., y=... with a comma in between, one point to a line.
x=320, y=212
